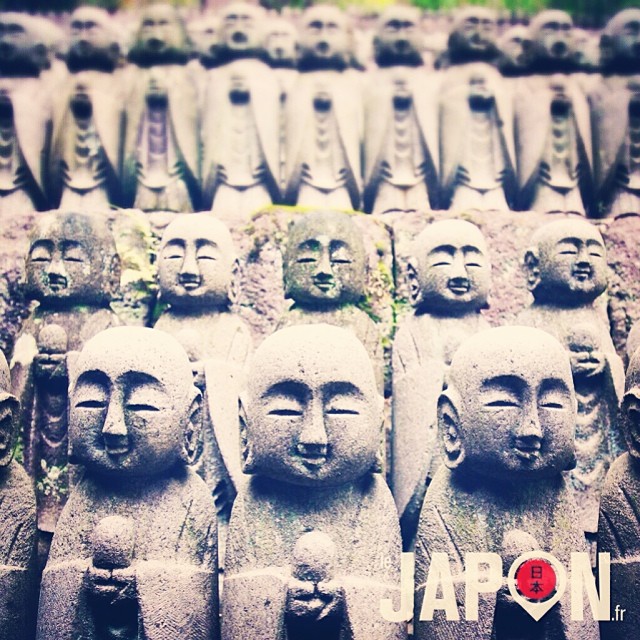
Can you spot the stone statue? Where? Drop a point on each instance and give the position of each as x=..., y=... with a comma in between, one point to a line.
x=325, y=270
x=506, y=422
x=197, y=269
x=18, y=585
x=88, y=118
x=566, y=273
x=401, y=136
x=72, y=271
x=25, y=113
x=552, y=122
x=134, y=555
x=316, y=519
x=618, y=525
x=449, y=278
x=241, y=125
x=323, y=117
x=161, y=168
x=615, y=114
x=477, y=156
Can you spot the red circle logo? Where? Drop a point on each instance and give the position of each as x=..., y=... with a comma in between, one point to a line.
x=536, y=580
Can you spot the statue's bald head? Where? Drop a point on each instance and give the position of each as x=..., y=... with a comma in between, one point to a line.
x=509, y=407
x=312, y=414
x=566, y=264
x=449, y=269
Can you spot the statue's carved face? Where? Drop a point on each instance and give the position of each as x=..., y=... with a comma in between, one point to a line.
x=91, y=34
x=196, y=261
x=553, y=34
x=572, y=263
x=22, y=43
x=626, y=36
x=161, y=35
x=476, y=31
x=325, y=262
x=242, y=28
x=68, y=259
x=130, y=403
x=282, y=42
x=324, y=35
x=399, y=37
x=512, y=408
x=312, y=415
x=450, y=272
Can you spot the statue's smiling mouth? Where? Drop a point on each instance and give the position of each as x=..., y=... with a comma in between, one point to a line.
x=116, y=445
x=459, y=286
x=312, y=456
x=190, y=283
x=527, y=448
x=582, y=273
x=57, y=282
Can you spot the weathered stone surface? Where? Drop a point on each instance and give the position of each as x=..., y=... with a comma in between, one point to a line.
x=135, y=550
x=449, y=277
x=308, y=533
x=18, y=585
x=501, y=488
x=567, y=273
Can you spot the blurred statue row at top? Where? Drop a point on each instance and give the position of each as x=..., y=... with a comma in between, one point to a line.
x=234, y=112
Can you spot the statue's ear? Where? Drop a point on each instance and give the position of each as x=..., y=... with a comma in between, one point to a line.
x=532, y=269
x=192, y=444
x=248, y=462
x=412, y=280
x=449, y=431
x=13, y=424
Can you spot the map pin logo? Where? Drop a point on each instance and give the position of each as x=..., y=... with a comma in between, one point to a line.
x=536, y=582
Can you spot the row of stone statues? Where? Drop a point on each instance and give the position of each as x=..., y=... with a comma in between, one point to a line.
x=118, y=422
x=265, y=116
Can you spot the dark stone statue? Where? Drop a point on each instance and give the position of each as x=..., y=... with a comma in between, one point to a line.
x=313, y=540
x=450, y=276
x=18, y=586
x=161, y=168
x=72, y=271
x=323, y=117
x=88, y=119
x=567, y=272
x=619, y=523
x=615, y=114
x=135, y=554
x=325, y=269
x=506, y=423
x=25, y=113
x=241, y=125
x=401, y=136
